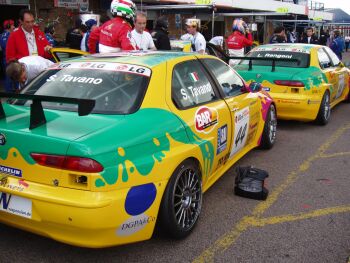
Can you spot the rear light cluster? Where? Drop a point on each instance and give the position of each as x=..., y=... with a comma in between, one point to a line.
x=71, y=163
x=291, y=83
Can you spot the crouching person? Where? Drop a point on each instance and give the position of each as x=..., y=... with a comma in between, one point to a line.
x=22, y=71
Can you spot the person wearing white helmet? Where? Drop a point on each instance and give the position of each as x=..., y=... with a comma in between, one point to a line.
x=198, y=40
x=115, y=34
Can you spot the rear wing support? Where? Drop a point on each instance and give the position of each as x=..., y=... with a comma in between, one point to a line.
x=37, y=115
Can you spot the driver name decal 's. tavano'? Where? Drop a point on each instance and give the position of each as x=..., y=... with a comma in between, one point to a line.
x=128, y=68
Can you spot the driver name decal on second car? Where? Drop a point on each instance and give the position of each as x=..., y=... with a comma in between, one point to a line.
x=206, y=119
x=241, y=130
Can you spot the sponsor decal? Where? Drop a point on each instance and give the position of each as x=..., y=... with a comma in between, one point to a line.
x=15, y=205
x=223, y=159
x=289, y=101
x=130, y=68
x=222, y=139
x=266, y=89
x=10, y=171
x=341, y=85
x=206, y=119
x=2, y=139
x=241, y=130
x=134, y=224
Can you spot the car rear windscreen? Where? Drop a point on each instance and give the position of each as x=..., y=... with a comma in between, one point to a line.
x=116, y=88
x=304, y=58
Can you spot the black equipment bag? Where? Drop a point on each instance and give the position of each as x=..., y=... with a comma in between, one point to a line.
x=249, y=182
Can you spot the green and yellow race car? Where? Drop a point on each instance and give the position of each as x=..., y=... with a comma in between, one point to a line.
x=97, y=149
x=304, y=80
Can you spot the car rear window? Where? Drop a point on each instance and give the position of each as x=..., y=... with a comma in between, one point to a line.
x=304, y=58
x=116, y=88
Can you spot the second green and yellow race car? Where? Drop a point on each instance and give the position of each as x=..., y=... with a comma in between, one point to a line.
x=305, y=81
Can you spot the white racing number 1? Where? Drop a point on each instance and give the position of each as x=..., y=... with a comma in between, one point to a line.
x=241, y=122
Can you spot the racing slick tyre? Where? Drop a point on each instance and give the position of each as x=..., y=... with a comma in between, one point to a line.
x=268, y=136
x=324, y=112
x=182, y=201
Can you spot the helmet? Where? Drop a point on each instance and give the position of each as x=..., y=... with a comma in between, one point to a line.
x=193, y=22
x=124, y=8
x=90, y=23
x=239, y=25
x=8, y=23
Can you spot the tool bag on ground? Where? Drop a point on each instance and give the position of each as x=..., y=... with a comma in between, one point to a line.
x=249, y=183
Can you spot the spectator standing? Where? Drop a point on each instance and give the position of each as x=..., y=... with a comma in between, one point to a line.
x=336, y=44
x=115, y=34
x=310, y=37
x=160, y=34
x=198, y=40
x=49, y=34
x=139, y=37
x=324, y=38
x=27, y=40
x=8, y=29
x=27, y=68
x=347, y=42
x=74, y=35
x=238, y=40
x=342, y=42
x=279, y=35
x=91, y=24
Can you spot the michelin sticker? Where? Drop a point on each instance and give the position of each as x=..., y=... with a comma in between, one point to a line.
x=129, y=68
x=241, y=130
x=206, y=119
x=134, y=224
x=10, y=171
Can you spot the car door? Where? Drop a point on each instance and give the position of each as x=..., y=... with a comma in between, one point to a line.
x=338, y=75
x=245, y=111
x=196, y=101
x=60, y=54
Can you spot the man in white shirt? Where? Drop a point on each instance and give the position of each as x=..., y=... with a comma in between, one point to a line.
x=198, y=42
x=139, y=37
x=27, y=68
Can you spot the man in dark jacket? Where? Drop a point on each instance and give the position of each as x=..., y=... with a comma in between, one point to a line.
x=310, y=37
x=279, y=35
x=160, y=34
x=74, y=35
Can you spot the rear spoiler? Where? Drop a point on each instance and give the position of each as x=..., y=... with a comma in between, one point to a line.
x=266, y=59
x=37, y=116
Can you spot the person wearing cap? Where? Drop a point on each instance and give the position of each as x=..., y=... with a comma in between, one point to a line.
x=26, y=69
x=49, y=34
x=90, y=25
x=28, y=40
x=115, y=34
x=139, y=37
x=238, y=40
x=160, y=34
x=198, y=40
x=8, y=29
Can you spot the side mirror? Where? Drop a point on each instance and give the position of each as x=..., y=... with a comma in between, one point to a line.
x=255, y=87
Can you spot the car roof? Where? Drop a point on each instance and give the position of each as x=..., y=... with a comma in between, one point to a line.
x=144, y=58
x=299, y=46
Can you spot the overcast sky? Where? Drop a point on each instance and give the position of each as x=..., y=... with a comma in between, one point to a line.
x=343, y=4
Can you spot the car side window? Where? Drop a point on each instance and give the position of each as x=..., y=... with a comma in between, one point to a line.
x=229, y=81
x=190, y=85
x=323, y=59
x=334, y=58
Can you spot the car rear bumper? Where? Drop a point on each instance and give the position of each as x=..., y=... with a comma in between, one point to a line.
x=83, y=218
x=296, y=106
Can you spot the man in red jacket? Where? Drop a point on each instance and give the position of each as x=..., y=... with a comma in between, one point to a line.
x=237, y=41
x=27, y=40
x=115, y=34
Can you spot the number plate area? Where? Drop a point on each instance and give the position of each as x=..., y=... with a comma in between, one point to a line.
x=241, y=123
x=16, y=205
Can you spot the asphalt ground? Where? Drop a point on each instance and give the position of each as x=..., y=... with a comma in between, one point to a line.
x=306, y=217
